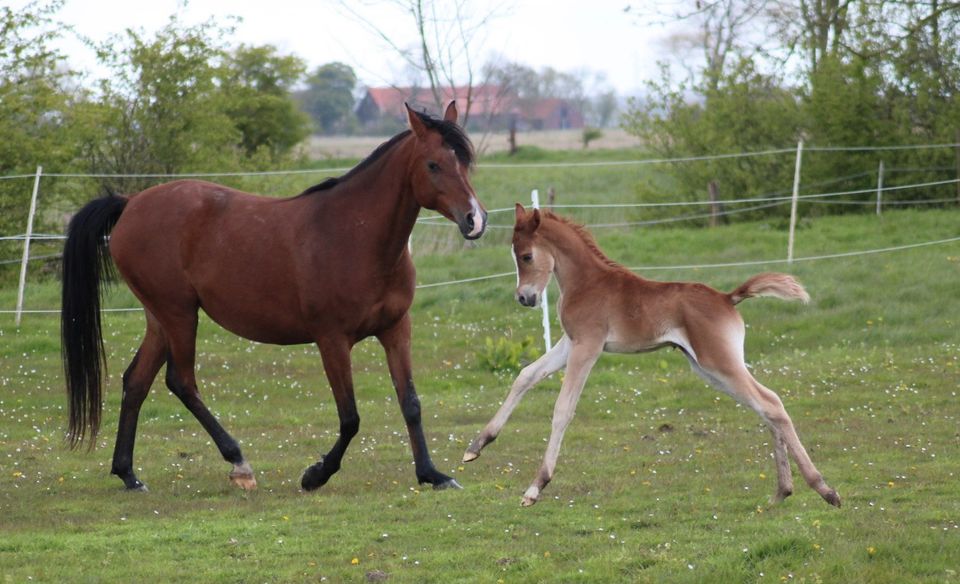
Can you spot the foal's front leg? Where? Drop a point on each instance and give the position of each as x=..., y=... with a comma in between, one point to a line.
x=396, y=344
x=550, y=362
x=582, y=357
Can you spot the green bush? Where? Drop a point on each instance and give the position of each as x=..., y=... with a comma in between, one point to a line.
x=504, y=354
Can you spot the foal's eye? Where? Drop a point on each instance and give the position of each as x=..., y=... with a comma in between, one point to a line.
x=433, y=166
x=527, y=258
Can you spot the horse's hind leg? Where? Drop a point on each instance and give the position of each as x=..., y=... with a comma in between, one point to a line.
x=137, y=380
x=548, y=363
x=181, y=380
x=336, y=364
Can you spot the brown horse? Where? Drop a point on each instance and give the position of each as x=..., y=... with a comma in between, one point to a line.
x=605, y=307
x=329, y=266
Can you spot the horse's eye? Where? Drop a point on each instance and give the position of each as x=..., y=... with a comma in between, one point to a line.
x=527, y=257
x=433, y=166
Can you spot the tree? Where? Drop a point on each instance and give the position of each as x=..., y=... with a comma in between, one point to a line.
x=36, y=97
x=329, y=97
x=258, y=84
x=446, y=32
x=182, y=102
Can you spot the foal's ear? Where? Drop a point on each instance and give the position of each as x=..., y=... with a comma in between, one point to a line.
x=535, y=220
x=521, y=213
x=416, y=124
x=450, y=115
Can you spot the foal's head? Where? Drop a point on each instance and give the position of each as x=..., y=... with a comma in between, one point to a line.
x=534, y=262
x=440, y=170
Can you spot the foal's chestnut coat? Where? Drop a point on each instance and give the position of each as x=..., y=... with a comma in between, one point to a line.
x=605, y=307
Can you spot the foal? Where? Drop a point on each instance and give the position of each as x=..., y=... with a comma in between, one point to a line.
x=605, y=307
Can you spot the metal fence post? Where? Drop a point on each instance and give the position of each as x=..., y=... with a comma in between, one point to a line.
x=26, y=245
x=544, y=302
x=793, y=202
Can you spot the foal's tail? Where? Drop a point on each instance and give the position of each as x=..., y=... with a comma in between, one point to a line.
x=86, y=264
x=772, y=284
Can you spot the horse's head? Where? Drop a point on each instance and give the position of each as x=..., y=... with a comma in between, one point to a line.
x=534, y=262
x=440, y=170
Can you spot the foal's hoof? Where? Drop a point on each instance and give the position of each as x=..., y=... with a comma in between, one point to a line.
x=470, y=456
x=832, y=497
x=447, y=484
x=530, y=497
x=138, y=488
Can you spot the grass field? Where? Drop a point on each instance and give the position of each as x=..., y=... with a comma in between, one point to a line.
x=660, y=478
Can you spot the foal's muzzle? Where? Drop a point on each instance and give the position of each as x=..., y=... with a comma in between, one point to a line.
x=528, y=298
x=473, y=224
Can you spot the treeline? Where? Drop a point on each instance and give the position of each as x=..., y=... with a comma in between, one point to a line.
x=833, y=73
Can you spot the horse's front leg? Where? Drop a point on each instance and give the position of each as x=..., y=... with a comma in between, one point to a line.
x=583, y=355
x=396, y=344
x=550, y=362
x=336, y=364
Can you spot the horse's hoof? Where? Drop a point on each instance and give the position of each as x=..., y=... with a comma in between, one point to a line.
x=245, y=482
x=832, y=497
x=527, y=501
x=447, y=484
x=314, y=477
x=470, y=456
x=138, y=488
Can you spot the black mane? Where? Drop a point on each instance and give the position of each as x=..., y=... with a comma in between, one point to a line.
x=452, y=135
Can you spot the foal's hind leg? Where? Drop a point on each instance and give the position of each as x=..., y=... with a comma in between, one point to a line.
x=548, y=363
x=739, y=383
x=181, y=380
x=137, y=380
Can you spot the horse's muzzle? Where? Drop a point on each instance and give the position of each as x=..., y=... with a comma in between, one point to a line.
x=473, y=224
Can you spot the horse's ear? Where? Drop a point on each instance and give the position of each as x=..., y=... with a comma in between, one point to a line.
x=450, y=115
x=535, y=220
x=416, y=124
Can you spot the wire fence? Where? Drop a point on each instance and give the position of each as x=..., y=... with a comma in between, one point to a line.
x=690, y=210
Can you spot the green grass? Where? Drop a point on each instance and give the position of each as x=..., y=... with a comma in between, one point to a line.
x=660, y=478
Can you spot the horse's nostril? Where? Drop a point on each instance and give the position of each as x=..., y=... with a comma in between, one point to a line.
x=469, y=221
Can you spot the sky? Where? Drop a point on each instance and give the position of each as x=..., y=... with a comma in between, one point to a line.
x=568, y=35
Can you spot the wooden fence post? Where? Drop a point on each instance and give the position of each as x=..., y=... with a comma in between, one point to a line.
x=714, y=203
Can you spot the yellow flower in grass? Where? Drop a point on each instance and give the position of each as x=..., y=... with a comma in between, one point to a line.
x=871, y=551
x=355, y=561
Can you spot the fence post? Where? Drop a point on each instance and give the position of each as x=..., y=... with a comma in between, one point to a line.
x=714, y=203
x=793, y=202
x=544, y=302
x=879, y=187
x=26, y=245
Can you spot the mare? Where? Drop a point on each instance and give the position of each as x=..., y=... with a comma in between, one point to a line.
x=605, y=307
x=329, y=266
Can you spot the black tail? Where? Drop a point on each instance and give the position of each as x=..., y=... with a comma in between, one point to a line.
x=86, y=264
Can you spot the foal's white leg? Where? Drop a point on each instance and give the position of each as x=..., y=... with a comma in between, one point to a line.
x=548, y=363
x=579, y=363
x=742, y=386
x=784, y=475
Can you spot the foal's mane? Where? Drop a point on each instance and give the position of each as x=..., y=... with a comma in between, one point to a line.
x=584, y=235
x=452, y=135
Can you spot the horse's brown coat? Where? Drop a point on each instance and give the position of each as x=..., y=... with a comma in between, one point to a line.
x=330, y=266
